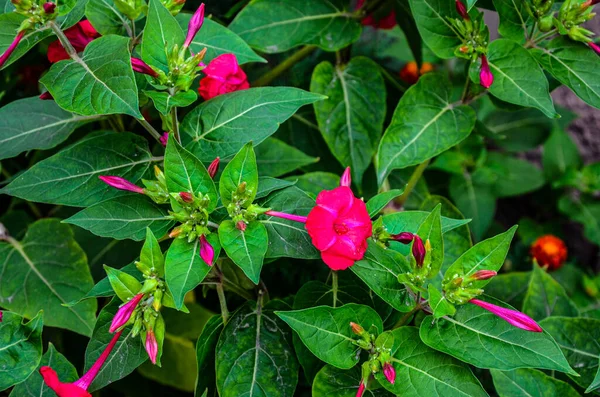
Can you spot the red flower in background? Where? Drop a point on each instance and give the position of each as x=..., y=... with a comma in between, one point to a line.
x=79, y=35
x=387, y=22
x=549, y=251
x=410, y=73
x=223, y=75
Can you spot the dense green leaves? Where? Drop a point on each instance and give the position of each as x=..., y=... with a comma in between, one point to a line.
x=246, y=248
x=31, y=123
x=274, y=26
x=424, y=124
x=546, y=297
x=530, y=383
x=21, y=347
x=351, y=118
x=327, y=333
x=381, y=200
x=560, y=154
x=585, y=210
x=242, y=169
x=255, y=354
x=436, y=31
x=101, y=82
x=71, y=176
x=161, y=33
x=44, y=271
x=213, y=128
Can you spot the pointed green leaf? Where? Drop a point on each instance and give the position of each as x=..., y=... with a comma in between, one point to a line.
x=585, y=210
x=439, y=304
x=510, y=287
x=151, y=255
x=529, y=383
x=334, y=382
x=125, y=286
x=246, y=248
x=106, y=18
x=163, y=101
x=161, y=33
x=407, y=23
x=242, y=168
x=513, y=176
x=381, y=200
x=437, y=32
x=546, y=297
x=514, y=19
x=560, y=154
x=431, y=229
x=409, y=221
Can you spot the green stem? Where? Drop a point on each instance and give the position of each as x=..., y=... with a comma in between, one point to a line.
x=272, y=74
x=64, y=41
x=463, y=97
x=149, y=128
x=223, y=303
x=175, y=123
x=406, y=318
x=412, y=182
x=535, y=41
x=334, y=286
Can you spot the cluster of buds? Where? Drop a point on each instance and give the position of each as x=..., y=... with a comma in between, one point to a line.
x=420, y=259
x=132, y=8
x=460, y=290
x=191, y=211
x=240, y=208
x=156, y=190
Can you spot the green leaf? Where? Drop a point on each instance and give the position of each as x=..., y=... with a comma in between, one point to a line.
x=9, y=25
x=578, y=340
x=34, y=386
x=514, y=19
x=585, y=210
x=546, y=297
x=409, y=221
x=125, y=285
x=574, y=65
x=77, y=184
x=101, y=82
x=126, y=356
x=123, y=218
x=161, y=33
x=520, y=130
x=424, y=124
x=529, y=383
x=486, y=255
x=31, y=123
x=184, y=269
x=163, y=101
x=21, y=349
x=274, y=26
x=255, y=354
x=44, y=271
x=484, y=340
x=351, y=118
x=185, y=173
x=289, y=238
x=422, y=371
x=518, y=79
x=475, y=201
x=327, y=333
x=431, y=17
x=213, y=128
x=513, y=176
x=431, y=229
x=151, y=255
x=334, y=382
x=205, y=353
x=242, y=168
x=268, y=185
x=218, y=40
x=510, y=287
x=246, y=249
x=439, y=304
x=560, y=154
x=106, y=18
x=381, y=200
x=275, y=158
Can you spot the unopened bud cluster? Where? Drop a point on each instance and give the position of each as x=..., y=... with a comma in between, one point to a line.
x=240, y=209
x=191, y=211
x=472, y=31
x=460, y=290
x=37, y=12
x=379, y=349
x=567, y=21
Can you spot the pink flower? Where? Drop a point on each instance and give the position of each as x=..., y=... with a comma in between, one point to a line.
x=389, y=372
x=207, y=252
x=387, y=22
x=4, y=57
x=124, y=313
x=49, y=7
x=214, y=167
x=142, y=67
x=164, y=139
x=346, y=179
x=339, y=226
x=486, y=78
x=151, y=345
x=513, y=317
x=594, y=47
x=79, y=36
x=79, y=387
x=418, y=250
x=223, y=75
x=361, y=389
x=241, y=226
x=462, y=10
x=121, y=183
x=194, y=25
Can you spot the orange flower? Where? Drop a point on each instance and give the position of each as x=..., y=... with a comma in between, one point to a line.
x=549, y=251
x=410, y=73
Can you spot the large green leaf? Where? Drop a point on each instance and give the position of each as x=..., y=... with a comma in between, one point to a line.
x=101, y=82
x=351, y=118
x=276, y=158
x=31, y=123
x=124, y=218
x=274, y=26
x=578, y=340
x=514, y=19
x=213, y=128
x=254, y=355
x=218, y=40
x=106, y=18
x=518, y=78
x=20, y=348
x=334, y=382
x=126, y=356
x=546, y=297
x=484, y=340
x=510, y=287
x=246, y=248
x=422, y=371
x=241, y=169
x=573, y=64
x=424, y=124
x=34, y=386
x=327, y=333
x=530, y=383
x=44, y=271
x=475, y=201
x=437, y=32
x=161, y=34
x=512, y=176
x=205, y=353
x=70, y=177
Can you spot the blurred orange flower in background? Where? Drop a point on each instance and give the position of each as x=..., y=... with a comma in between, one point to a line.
x=549, y=251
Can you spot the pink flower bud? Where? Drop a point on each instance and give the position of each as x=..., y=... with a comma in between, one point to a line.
x=151, y=345
x=207, y=252
x=46, y=96
x=404, y=237
x=513, y=317
x=186, y=197
x=120, y=183
x=418, y=250
x=194, y=25
x=346, y=179
x=124, y=313
x=241, y=225
x=486, y=78
x=49, y=7
x=214, y=167
x=462, y=10
x=142, y=67
x=483, y=275
x=389, y=372
x=4, y=57
x=594, y=47
x=164, y=138
x=361, y=389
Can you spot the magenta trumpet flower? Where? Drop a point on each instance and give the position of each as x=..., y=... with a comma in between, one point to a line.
x=513, y=317
x=120, y=183
x=124, y=313
x=194, y=25
x=4, y=57
x=486, y=78
x=164, y=138
x=418, y=250
x=207, y=252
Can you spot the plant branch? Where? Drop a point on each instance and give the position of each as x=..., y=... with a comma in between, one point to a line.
x=222, y=302
x=465, y=93
x=334, y=286
x=149, y=128
x=412, y=182
x=175, y=123
x=64, y=41
x=272, y=74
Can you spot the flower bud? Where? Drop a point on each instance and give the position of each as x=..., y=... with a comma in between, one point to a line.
x=418, y=250
x=151, y=345
x=142, y=67
x=46, y=96
x=4, y=57
x=486, y=78
x=513, y=317
x=124, y=313
x=361, y=389
x=346, y=179
x=49, y=7
x=462, y=10
x=194, y=25
x=186, y=197
x=404, y=237
x=214, y=167
x=164, y=138
x=241, y=225
x=175, y=232
x=207, y=252
x=389, y=372
x=464, y=49
x=356, y=328
x=157, y=302
x=120, y=183
x=483, y=275
x=594, y=47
